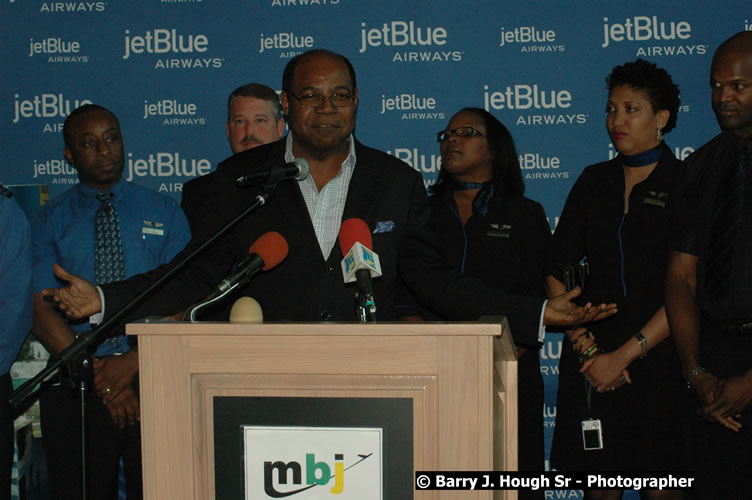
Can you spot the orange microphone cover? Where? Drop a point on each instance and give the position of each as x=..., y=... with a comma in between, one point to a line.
x=271, y=247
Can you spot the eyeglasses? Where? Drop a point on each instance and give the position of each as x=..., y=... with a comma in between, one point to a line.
x=459, y=132
x=338, y=99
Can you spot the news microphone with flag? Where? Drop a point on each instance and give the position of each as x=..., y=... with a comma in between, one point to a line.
x=297, y=169
x=355, y=242
x=359, y=264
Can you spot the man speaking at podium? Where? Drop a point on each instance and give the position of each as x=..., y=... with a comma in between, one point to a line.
x=348, y=180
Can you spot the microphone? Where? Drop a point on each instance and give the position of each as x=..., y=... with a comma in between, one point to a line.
x=359, y=264
x=298, y=169
x=265, y=253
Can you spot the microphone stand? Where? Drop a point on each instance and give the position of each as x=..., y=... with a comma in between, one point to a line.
x=190, y=313
x=223, y=290
x=365, y=306
x=77, y=353
x=77, y=357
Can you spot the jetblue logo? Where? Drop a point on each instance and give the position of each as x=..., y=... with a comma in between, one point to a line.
x=412, y=107
x=166, y=165
x=53, y=46
x=54, y=167
x=164, y=41
x=415, y=43
x=407, y=102
x=400, y=34
x=285, y=41
x=45, y=106
x=536, y=166
x=530, y=39
x=536, y=160
x=541, y=104
x=658, y=36
x=179, y=51
x=172, y=112
x=644, y=28
x=523, y=96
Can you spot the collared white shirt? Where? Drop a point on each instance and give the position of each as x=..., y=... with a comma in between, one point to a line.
x=326, y=206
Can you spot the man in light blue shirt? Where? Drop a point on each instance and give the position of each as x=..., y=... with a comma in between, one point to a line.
x=15, y=311
x=152, y=230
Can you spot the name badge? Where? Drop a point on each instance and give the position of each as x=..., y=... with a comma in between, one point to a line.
x=499, y=231
x=656, y=198
x=153, y=228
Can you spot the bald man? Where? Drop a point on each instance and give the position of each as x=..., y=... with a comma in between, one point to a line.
x=709, y=282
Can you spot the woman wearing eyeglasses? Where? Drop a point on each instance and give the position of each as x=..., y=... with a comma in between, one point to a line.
x=620, y=388
x=488, y=229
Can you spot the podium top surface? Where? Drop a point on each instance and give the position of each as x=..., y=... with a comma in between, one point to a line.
x=161, y=327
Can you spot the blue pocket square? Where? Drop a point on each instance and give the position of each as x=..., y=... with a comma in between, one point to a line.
x=386, y=226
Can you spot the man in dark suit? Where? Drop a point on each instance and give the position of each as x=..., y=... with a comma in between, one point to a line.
x=320, y=98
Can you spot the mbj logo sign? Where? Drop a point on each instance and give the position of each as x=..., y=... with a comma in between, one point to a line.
x=313, y=463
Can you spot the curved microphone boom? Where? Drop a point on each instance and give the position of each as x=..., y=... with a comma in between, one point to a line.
x=297, y=169
x=360, y=264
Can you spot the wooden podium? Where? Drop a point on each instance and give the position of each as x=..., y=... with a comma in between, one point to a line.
x=461, y=377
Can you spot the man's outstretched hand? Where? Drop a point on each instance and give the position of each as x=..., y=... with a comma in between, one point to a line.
x=80, y=299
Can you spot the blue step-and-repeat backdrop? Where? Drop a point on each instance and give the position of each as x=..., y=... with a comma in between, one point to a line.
x=166, y=67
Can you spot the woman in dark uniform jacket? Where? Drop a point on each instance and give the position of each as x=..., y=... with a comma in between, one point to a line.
x=490, y=231
x=623, y=371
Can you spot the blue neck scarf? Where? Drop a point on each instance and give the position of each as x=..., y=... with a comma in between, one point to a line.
x=481, y=200
x=648, y=157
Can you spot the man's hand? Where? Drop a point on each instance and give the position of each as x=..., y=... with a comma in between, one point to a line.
x=732, y=396
x=80, y=299
x=705, y=386
x=124, y=409
x=113, y=374
x=560, y=310
x=605, y=371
